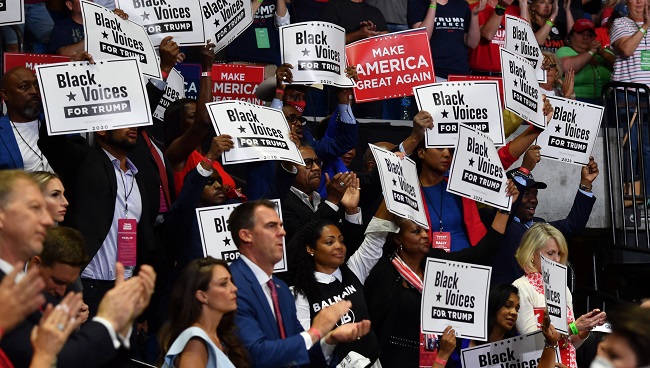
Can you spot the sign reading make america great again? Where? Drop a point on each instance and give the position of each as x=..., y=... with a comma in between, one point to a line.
x=12, y=12
x=30, y=61
x=391, y=65
x=224, y=20
x=82, y=97
x=161, y=18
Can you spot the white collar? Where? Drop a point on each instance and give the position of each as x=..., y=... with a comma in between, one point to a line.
x=324, y=278
x=6, y=267
x=260, y=275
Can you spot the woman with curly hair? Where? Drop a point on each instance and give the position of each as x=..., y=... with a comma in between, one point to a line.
x=200, y=332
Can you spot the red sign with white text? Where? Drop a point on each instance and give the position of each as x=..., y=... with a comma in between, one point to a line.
x=454, y=78
x=391, y=65
x=30, y=61
x=236, y=82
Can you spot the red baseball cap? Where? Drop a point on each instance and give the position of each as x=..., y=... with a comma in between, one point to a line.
x=582, y=25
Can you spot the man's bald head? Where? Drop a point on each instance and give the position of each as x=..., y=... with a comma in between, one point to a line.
x=19, y=89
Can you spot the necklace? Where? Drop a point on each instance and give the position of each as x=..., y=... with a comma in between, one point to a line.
x=40, y=156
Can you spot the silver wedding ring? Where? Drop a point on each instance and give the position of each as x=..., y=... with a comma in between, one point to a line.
x=60, y=327
x=342, y=184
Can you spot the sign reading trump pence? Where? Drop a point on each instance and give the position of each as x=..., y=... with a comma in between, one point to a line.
x=521, y=89
x=216, y=238
x=400, y=185
x=391, y=65
x=12, y=12
x=315, y=49
x=82, y=97
x=161, y=18
x=476, y=171
x=477, y=104
x=224, y=20
x=174, y=90
x=109, y=36
x=520, y=351
x=455, y=294
x=521, y=40
x=260, y=133
x=572, y=131
x=554, y=276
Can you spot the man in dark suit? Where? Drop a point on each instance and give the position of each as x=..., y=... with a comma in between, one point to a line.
x=23, y=222
x=505, y=268
x=266, y=311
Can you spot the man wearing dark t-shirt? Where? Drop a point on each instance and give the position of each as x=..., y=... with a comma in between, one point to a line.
x=68, y=33
x=359, y=19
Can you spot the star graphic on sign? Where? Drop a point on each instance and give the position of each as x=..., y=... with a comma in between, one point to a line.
x=216, y=22
x=471, y=162
x=445, y=113
x=438, y=297
x=71, y=96
x=394, y=182
x=226, y=241
x=305, y=52
x=515, y=82
x=516, y=47
x=557, y=128
x=145, y=16
x=242, y=129
x=105, y=35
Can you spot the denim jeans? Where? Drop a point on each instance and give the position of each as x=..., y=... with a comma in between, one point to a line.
x=642, y=117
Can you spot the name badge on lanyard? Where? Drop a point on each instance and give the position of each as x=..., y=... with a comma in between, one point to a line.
x=441, y=240
x=127, y=234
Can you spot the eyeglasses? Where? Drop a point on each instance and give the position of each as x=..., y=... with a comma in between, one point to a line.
x=309, y=162
x=292, y=118
x=550, y=66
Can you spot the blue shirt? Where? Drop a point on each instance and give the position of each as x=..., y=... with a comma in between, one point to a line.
x=451, y=212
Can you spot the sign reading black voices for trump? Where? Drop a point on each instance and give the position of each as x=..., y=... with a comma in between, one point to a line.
x=554, y=276
x=476, y=171
x=572, y=131
x=216, y=238
x=520, y=39
x=161, y=18
x=174, y=90
x=521, y=89
x=516, y=352
x=224, y=20
x=317, y=52
x=82, y=97
x=109, y=36
x=12, y=12
x=400, y=185
x=455, y=294
x=260, y=133
x=477, y=104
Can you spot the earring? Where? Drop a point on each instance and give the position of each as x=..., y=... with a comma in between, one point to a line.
x=206, y=302
x=311, y=254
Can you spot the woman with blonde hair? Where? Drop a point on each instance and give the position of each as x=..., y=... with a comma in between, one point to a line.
x=53, y=191
x=540, y=240
x=557, y=83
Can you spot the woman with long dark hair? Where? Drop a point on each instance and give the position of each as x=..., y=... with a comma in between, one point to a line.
x=201, y=329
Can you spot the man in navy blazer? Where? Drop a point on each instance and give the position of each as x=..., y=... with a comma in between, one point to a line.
x=257, y=232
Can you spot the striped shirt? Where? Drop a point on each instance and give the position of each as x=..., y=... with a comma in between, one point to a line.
x=628, y=69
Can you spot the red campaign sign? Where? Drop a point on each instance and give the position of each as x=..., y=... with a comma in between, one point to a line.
x=391, y=65
x=30, y=61
x=236, y=82
x=454, y=78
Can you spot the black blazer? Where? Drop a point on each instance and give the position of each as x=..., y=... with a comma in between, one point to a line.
x=296, y=213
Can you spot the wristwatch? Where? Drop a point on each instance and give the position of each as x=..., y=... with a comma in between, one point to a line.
x=585, y=188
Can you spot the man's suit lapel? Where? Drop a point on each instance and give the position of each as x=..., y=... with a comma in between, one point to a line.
x=263, y=304
x=9, y=140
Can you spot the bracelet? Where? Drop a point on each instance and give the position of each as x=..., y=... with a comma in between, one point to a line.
x=440, y=361
x=549, y=346
x=433, y=6
x=499, y=10
x=574, y=328
x=279, y=91
x=315, y=332
x=550, y=23
x=164, y=74
x=206, y=74
x=591, y=53
x=261, y=1
x=524, y=170
x=643, y=31
x=504, y=212
x=586, y=189
x=208, y=161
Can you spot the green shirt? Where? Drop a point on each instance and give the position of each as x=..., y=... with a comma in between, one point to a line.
x=589, y=82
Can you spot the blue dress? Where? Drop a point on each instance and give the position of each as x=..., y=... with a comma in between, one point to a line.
x=216, y=357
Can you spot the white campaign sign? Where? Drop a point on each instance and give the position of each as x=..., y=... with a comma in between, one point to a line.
x=520, y=351
x=180, y=19
x=521, y=40
x=109, y=36
x=215, y=233
x=224, y=20
x=12, y=12
x=82, y=97
x=554, y=276
x=572, y=131
x=174, y=90
x=260, y=133
x=400, y=185
x=317, y=52
x=521, y=89
x=477, y=104
x=476, y=171
x=455, y=294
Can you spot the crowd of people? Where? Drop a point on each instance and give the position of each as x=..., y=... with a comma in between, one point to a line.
x=101, y=257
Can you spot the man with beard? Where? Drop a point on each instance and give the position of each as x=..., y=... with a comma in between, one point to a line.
x=109, y=204
x=19, y=128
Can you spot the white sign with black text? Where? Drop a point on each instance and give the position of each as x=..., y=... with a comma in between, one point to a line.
x=400, y=185
x=476, y=171
x=82, y=97
x=572, y=131
x=455, y=294
x=555, y=281
x=224, y=20
x=519, y=351
x=316, y=51
x=180, y=19
x=521, y=89
x=12, y=12
x=521, y=40
x=477, y=104
x=109, y=36
x=174, y=90
x=260, y=133
x=216, y=237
